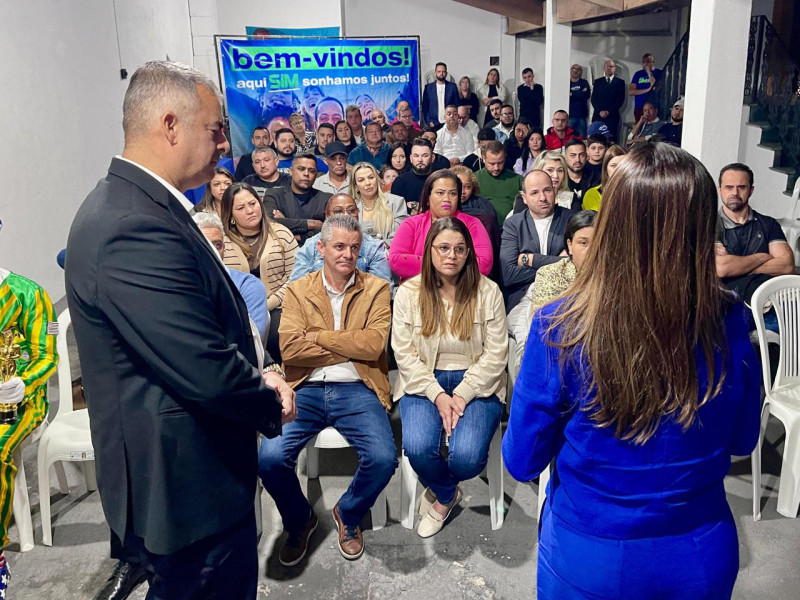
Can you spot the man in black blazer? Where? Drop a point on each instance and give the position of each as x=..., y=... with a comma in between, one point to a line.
x=173, y=387
x=608, y=96
x=430, y=97
x=521, y=249
x=300, y=207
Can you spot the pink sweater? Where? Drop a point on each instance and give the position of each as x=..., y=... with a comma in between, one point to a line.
x=405, y=253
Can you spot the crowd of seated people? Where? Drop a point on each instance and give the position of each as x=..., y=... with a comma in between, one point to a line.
x=434, y=245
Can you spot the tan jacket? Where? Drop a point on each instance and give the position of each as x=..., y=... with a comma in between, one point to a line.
x=416, y=355
x=365, y=322
x=275, y=264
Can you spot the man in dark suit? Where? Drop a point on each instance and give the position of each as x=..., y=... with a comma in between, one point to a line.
x=436, y=96
x=300, y=206
x=522, y=250
x=608, y=96
x=170, y=369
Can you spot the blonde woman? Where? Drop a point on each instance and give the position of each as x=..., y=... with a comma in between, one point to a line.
x=379, y=212
x=491, y=89
x=256, y=245
x=554, y=164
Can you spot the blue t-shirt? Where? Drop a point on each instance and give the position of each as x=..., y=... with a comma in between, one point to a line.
x=642, y=81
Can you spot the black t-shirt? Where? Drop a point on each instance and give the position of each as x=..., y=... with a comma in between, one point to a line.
x=302, y=200
x=473, y=162
x=751, y=237
x=260, y=185
x=593, y=174
x=578, y=190
x=671, y=133
x=244, y=167
x=409, y=186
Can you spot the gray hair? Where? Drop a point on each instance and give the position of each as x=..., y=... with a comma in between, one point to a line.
x=340, y=222
x=158, y=86
x=264, y=150
x=205, y=220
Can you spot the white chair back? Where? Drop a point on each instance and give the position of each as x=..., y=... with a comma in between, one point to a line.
x=64, y=373
x=784, y=293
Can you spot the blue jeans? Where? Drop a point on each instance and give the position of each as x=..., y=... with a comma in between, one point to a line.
x=469, y=444
x=355, y=411
x=579, y=125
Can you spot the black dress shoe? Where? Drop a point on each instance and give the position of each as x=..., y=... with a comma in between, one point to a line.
x=125, y=578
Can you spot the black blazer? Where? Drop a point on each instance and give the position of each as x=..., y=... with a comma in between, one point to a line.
x=608, y=96
x=520, y=236
x=282, y=199
x=174, y=394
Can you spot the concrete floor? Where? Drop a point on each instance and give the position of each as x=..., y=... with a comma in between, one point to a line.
x=466, y=560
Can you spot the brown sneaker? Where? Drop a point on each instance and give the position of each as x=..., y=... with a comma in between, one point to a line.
x=296, y=545
x=350, y=540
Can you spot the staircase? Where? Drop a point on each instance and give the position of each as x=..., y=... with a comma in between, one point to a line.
x=772, y=93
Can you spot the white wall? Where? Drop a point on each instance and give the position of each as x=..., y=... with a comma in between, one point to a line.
x=622, y=48
x=62, y=106
x=461, y=36
x=768, y=197
x=235, y=15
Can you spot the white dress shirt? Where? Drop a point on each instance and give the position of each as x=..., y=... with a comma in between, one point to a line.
x=440, y=87
x=458, y=145
x=342, y=372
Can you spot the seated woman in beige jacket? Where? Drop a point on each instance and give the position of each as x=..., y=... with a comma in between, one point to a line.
x=256, y=245
x=451, y=345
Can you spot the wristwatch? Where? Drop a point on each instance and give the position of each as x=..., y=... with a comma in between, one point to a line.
x=524, y=260
x=274, y=367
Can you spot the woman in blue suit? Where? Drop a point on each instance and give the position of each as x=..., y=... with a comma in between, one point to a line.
x=640, y=382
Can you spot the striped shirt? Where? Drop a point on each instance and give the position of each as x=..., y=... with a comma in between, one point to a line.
x=26, y=310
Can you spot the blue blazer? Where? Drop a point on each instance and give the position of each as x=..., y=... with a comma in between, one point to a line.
x=430, y=102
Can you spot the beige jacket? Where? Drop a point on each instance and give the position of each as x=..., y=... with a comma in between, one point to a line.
x=365, y=323
x=416, y=355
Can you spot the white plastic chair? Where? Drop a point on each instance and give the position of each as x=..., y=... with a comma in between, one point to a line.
x=66, y=438
x=21, y=501
x=330, y=438
x=494, y=468
x=782, y=397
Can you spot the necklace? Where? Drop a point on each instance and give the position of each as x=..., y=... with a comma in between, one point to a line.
x=368, y=208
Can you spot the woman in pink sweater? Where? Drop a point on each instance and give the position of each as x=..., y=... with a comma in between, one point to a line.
x=441, y=197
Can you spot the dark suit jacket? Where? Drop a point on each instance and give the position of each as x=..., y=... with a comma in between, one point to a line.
x=610, y=97
x=283, y=200
x=519, y=236
x=430, y=101
x=174, y=394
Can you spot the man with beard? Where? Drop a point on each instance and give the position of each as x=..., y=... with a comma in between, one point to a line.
x=409, y=185
x=505, y=128
x=298, y=206
x=286, y=147
x=492, y=118
x=436, y=96
x=673, y=131
x=577, y=179
x=325, y=135
x=751, y=248
x=498, y=184
x=261, y=139
x=267, y=176
x=336, y=180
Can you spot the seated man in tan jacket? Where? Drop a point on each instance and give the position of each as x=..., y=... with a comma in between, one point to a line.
x=333, y=335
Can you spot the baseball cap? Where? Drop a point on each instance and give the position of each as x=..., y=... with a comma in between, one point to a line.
x=679, y=102
x=598, y=128
x=334, y=148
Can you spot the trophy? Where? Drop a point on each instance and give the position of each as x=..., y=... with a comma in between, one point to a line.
x=9, y=353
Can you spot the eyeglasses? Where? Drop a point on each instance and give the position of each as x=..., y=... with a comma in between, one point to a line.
x=445, y=249
x=352, y=211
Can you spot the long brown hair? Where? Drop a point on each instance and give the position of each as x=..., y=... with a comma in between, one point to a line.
x=230, y=226
x=427, y=188
x=207, y=203
x=612, y=152
x=651, y=264
x=434, y=317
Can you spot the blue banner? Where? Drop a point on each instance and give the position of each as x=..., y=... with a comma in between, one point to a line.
x=266, y=80
x=305, y=32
